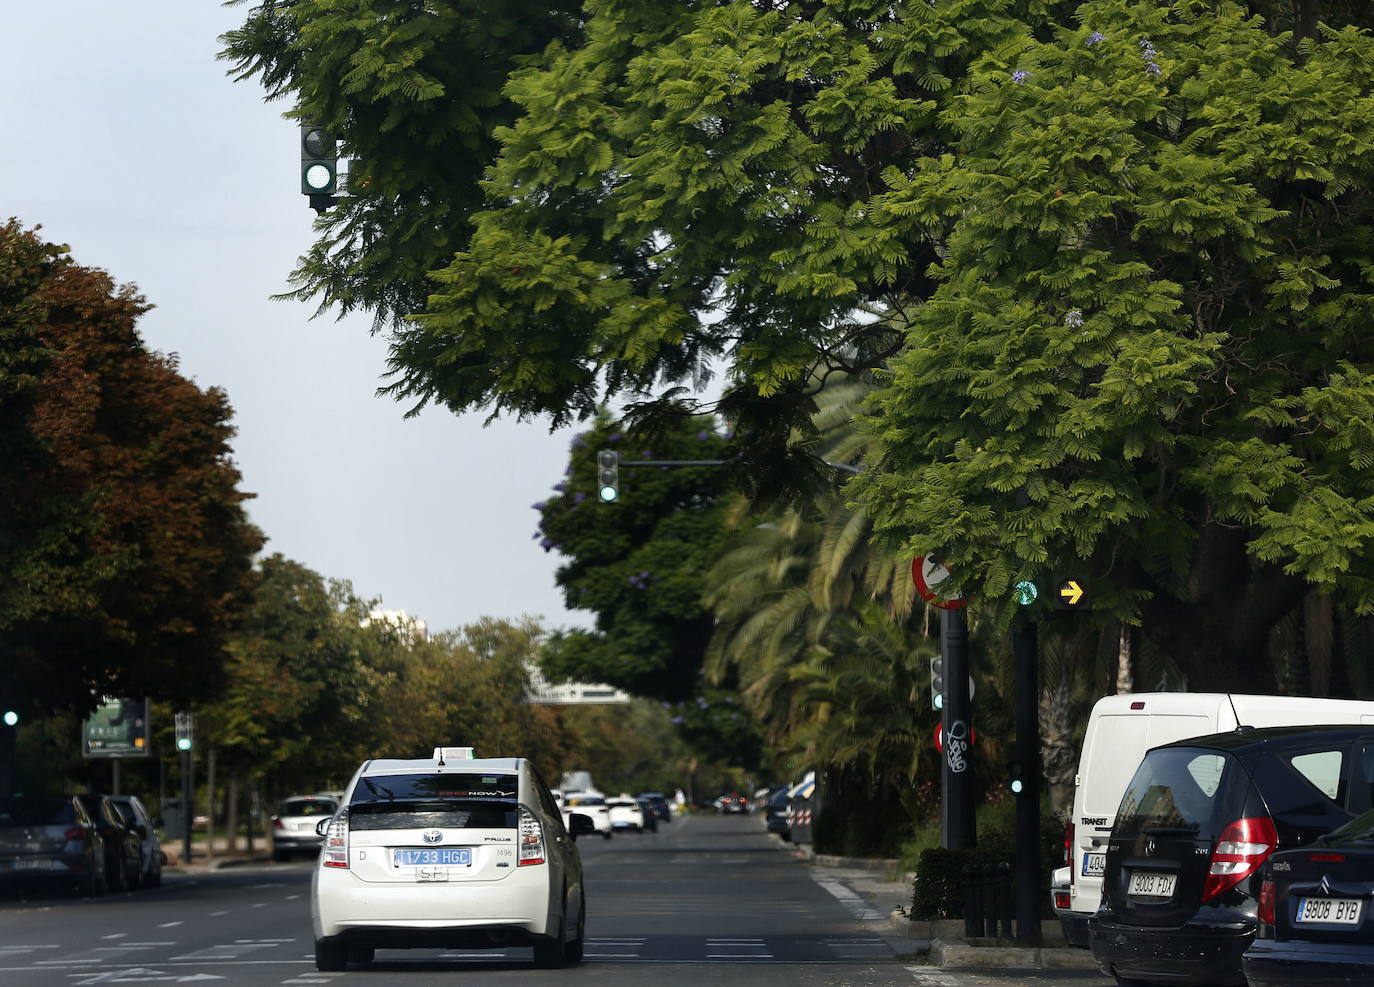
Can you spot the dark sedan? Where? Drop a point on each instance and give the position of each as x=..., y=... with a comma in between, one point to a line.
x=123, y=848
x=50, y=840
x=1315, y=921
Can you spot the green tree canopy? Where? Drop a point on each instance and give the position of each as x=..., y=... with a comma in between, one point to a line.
x=1147, y=360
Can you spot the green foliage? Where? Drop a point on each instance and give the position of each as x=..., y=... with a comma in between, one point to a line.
x=639, y=563
x=1142, y=358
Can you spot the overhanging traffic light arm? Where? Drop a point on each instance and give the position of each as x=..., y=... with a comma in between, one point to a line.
x=844, y=467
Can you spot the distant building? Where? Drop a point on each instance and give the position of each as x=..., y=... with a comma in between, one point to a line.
x=541, y=690
x=400, y=621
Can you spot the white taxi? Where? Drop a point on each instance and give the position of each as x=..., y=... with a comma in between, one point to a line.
x=592, y=806
x=448, y=852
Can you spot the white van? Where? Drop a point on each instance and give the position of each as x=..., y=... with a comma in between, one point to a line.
x=1122, y=728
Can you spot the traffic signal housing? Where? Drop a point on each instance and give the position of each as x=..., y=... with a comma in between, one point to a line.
x=937, y=682
x=608, y=475
x=1016, y=778
x=319, y=166
x=185, y=729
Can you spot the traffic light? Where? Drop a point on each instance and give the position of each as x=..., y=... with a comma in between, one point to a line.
x=937, y=682
x=608, y=475
x=1025, y=592
x=10, y=718
x=185, y=727
x=1016, y=778
x=319, y=166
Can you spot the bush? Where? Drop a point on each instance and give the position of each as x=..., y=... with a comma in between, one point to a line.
x=936, y=891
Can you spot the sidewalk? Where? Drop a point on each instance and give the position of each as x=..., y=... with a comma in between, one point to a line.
x=202, y=860
x=885, y=894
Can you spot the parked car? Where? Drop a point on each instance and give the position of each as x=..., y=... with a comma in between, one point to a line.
x=123, y=848
x=1122, y=728
x=448, y=852
x=1315, y=921
x=593, y=807
x=293, y=827
x=50, y=841
x=151, y=857
x=775, y=814
x=1199, y=818
x=732, y=802
x=626, y=814
x=662, y=807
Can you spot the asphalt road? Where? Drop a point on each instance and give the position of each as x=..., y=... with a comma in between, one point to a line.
x=706, y=900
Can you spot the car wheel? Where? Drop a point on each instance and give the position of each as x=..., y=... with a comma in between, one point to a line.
x=573, y=951
x=361, y=954
x=606, y=835
x=280, y=856
x=155, y=878
x=135, y=881
x=550, y=953
x=114, y=877
x=330, y=955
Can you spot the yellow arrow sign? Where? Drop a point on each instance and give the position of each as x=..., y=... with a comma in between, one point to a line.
x=1071, y=592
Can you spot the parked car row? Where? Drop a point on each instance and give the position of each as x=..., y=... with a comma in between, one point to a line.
x=90, y=843
x=1240, y=854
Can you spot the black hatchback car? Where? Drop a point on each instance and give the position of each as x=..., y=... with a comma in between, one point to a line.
x=1199, y=818
x=1315, y=919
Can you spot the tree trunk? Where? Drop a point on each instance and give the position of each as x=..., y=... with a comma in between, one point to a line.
x=1125, y=662
x=210, y=802
x=1318, y=633
x=1057, y=754
x=231, y=822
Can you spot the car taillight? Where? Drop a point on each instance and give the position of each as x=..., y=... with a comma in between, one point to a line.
x=1266, y=902
x=1061, y=899
x=1243, y=846
x=335, y=852
x=531, y=839
x=75, y=835
x=277, y=823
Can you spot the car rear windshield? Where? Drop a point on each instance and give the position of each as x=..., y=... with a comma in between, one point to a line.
x=427, y=801
x=36, y=812
x=435, y=787
x=307, y=807
x=1187, y=792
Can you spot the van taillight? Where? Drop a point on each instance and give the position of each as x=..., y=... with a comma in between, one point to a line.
x=335, y=850
x=531, y=839
x=1243, y=846
x=277, y=823
x=1266, y=902
x=75, y=835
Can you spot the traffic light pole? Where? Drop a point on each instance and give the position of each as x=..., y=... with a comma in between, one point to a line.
x=1026, y=875
x=957, y=829
x=187, y=812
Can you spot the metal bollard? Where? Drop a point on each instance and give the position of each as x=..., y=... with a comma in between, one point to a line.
x=969, y=880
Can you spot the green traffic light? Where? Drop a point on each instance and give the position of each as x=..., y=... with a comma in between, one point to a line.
x=608, y=494
x=11, y=718
x=183, y=743
x=1025, y=592
x=1016, y=786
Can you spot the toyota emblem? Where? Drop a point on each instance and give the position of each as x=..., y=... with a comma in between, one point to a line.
x=432, y=836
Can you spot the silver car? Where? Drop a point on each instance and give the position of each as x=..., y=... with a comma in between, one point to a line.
x=151, y=857
x=293, y=827
x=50, y=840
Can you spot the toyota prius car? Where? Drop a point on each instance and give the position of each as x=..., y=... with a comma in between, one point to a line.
x=448, y=852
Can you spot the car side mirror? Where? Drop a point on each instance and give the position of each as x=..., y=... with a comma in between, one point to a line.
x=580, y=824
x=322, y=826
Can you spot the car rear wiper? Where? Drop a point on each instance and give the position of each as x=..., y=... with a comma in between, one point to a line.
x=379, y=789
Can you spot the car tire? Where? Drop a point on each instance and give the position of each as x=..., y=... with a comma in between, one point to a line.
x=114, y=879
x=362, y=955
x=280, y=856
x=135, y=881
x=551, y=952
x=606, y=835
x=330, y=956
x=574, y=950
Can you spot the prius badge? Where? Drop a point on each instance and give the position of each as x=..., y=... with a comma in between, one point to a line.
x=432, y=836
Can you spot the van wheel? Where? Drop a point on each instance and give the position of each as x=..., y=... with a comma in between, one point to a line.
x=330, y=955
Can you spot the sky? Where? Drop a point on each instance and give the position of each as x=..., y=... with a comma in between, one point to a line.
x=121, y=135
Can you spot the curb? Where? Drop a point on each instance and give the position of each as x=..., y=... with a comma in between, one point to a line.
x=961, y=954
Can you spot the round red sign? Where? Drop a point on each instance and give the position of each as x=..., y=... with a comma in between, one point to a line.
x=928, y=574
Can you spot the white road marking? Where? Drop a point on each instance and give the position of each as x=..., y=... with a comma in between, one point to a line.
x=924, y=976
x=853, y=904
x=291, y=897
x=217, y=914
x=168, y=925
x=115, y=935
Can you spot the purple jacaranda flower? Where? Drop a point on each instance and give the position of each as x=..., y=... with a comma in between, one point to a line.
x=703, y=436
x=613, y=437
x=1074, y=318
x=644, y=575
x=666, y=705
x=560, y=487
x=730, y=433
x=539, y=506
x=579, y=498
x=1020, y=76
x=679, y=720
x=1096, y=37
x=545, y=544
x=578, y=442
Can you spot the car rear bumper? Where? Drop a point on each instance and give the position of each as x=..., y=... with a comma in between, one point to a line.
x=1075, y=926
x=1268, y=963
x=296, y=841
x=1191, y=954
x=343, y=906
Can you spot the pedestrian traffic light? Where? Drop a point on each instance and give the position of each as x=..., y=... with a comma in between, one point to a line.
x=608, y=475
x=1016, y=778
x=10, y=718
x=937, y=682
